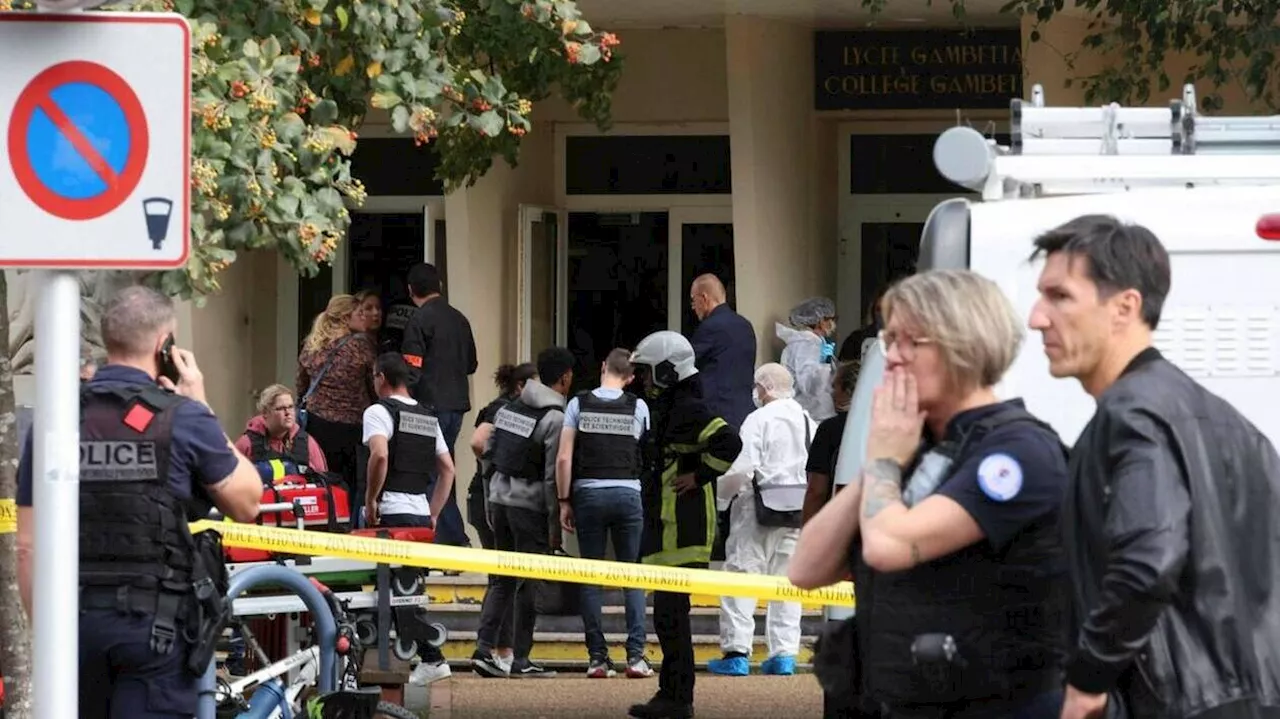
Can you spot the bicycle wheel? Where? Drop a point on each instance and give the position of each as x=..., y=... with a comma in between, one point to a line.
x=387, y=710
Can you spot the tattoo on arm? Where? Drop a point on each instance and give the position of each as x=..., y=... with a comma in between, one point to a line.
x=882, y=486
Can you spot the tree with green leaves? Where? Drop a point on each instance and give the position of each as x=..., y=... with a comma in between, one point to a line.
x=279, y=91
x=280, y=88
x=1230, y=42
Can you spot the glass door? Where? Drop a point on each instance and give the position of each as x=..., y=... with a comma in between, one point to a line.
x=879, y=244
x=387, y=235
x=543, y=274
x=700, y=242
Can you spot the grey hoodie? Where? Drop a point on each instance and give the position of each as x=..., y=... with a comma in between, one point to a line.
x=520, y=492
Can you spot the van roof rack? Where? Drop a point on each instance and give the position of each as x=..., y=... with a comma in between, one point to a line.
x=1080, y=150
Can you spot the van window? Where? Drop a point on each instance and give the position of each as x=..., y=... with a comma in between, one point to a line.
x=944, y=244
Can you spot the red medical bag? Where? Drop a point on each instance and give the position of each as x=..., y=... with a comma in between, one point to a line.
x=324, y=505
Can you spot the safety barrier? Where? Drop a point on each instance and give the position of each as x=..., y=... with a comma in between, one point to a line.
x=511, y=564
x=8, y=516
x=527, y=566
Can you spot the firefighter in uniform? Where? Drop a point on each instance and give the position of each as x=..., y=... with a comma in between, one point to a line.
x=691, y=448
x=152, y=596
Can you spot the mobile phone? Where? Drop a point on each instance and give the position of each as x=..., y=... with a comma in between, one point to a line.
x=165, y=357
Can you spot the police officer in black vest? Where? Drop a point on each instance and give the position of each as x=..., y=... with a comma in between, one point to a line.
x=404, y=444
x=523, y=510
x=951, y=534
x=152, y=457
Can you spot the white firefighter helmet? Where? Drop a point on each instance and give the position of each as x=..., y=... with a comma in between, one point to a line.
x=668, y=355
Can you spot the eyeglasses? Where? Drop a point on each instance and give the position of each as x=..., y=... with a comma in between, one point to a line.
x=906, y=344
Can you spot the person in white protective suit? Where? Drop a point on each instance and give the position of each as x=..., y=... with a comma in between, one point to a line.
x=766, y=485
x=810, y=354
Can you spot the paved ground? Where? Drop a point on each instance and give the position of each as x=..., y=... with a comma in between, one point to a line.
x=469, y=697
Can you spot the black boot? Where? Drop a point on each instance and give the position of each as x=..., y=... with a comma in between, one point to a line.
x=661, y=707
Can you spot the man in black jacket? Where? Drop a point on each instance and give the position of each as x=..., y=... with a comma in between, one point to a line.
x=438, y=344
x=1170, y=517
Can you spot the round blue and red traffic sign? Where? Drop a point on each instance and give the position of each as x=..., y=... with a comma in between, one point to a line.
x=78, y=140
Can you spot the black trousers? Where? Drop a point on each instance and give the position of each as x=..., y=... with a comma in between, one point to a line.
x=426, y=652
x=518, y=530
x=340, y=442
x=477, y=515
x=675, y=635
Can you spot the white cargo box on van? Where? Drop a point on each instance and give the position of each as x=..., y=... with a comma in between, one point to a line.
x=1209, y=188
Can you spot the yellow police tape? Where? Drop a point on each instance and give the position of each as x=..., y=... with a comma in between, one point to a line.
x=528, y=566
x=8, y=516
x=510, y=564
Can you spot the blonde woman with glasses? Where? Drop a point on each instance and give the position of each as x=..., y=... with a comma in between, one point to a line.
x=335, y=385
x=951, y=533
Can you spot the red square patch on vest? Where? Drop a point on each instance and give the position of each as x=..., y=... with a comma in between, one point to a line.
x=138, y=418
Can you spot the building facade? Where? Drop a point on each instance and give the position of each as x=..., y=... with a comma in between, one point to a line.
x=787, y=149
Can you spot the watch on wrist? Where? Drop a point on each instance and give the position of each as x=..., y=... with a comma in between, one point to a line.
x=563, y=499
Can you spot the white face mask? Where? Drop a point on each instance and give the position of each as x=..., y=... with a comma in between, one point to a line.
x=755, y=398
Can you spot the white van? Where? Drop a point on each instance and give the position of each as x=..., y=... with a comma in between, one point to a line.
x=1209, y=188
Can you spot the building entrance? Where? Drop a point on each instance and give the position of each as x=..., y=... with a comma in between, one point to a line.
x=611, y=278
x=617, y=285
x=888, y=187
x=386, y=237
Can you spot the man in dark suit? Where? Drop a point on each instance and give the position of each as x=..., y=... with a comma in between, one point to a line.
x=724, y=345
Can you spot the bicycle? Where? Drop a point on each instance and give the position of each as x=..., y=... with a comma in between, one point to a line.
x=334, y=657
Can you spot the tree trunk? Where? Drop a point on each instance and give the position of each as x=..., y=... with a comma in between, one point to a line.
x=15, y=640
x=22, y=296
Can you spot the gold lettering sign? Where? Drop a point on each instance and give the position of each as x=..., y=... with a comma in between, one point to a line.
x=910, y=69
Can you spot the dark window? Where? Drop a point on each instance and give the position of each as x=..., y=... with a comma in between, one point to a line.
x=617, y=285
x=889, y=253
x=313, y=297
x=381, y=249
x=898, y=164
x=395, y=166
x=648, y=165
x=707, y=248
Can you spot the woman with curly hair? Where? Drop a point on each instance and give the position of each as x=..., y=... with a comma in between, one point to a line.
x=335, y=384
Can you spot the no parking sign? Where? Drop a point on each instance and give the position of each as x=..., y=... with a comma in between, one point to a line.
x=95, y=131
x=95, y=167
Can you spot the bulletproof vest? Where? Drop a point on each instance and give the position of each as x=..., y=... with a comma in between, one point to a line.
x=515, y=452
x=260, y=449
x=606, y=446
x=133, y=527
x=963, y=596
x=412, y=448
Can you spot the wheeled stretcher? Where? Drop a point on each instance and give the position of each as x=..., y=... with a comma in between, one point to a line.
x=388, y=602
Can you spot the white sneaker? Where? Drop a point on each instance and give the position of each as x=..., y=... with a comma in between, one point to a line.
x=426, y=673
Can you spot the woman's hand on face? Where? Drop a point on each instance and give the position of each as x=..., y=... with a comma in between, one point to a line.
x=896, y=419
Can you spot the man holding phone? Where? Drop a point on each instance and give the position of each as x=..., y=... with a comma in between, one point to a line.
x=152, y=457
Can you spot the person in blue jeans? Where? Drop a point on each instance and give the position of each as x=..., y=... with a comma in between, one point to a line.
x=598, y=485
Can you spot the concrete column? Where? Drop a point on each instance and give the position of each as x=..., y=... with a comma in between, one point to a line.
x=483, y=239
x=777, y=247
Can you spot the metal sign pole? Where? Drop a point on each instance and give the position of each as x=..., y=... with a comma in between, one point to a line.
x=56, y=497
x=119, y=80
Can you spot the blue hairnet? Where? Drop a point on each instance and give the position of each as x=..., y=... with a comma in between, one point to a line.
x=811, y=312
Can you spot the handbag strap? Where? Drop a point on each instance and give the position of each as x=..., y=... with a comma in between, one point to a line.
x=333, y=354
